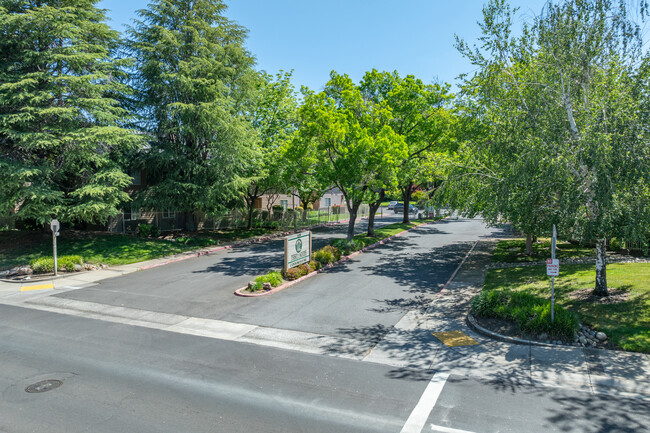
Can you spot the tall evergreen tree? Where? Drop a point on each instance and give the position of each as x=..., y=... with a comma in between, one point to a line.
x=61, y=126
x=193, y=77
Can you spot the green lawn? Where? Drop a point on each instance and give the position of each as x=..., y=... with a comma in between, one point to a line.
x=514, y=251
x=626, y=322
x=20, y=247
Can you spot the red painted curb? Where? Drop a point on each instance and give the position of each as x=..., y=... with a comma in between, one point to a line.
x=242, y=291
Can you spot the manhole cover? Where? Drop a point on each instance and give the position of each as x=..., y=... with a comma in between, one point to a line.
x=44, y=385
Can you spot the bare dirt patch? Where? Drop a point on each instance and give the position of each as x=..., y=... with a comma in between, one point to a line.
x=586, y=295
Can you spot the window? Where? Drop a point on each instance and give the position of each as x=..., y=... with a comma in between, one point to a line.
x=131, y=214
x=135, y=174
x=168, y=213
x=284, y=204
x=328, y=202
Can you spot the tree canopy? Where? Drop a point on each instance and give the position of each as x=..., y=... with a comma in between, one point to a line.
x=193, y=78
x=62, y=128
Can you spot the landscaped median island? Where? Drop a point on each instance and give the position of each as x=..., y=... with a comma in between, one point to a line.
x=339, y=249
x=515, y=300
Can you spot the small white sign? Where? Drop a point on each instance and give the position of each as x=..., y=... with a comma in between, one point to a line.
x=54, y=225
x=553, y=267
x=297, y=249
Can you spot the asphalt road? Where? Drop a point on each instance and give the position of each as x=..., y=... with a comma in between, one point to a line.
x=130, y=379
x=120, y=377
x=361, y=299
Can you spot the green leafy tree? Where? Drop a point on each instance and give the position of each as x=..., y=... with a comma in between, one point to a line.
x=273, y=117
x=194, y=80
x=61, y=124
x=421, y=115
x=352, y=140
x=567, y=139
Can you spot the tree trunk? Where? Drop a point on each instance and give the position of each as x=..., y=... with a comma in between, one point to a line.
x=406, y=196
x=304, y=204
x=373, y=210
x=188, y=221
x=529, y=244
x=251, y=211
x=353, y=216
x=601, y=269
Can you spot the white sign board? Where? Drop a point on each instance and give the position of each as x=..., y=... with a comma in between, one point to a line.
x=553, y=267
x=297, y=249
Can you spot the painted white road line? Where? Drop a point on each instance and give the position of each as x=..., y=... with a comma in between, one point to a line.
x=418, y=418
x=441, y=429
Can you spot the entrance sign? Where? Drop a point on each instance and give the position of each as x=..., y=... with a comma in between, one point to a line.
x=553, y=267
x=297, y=249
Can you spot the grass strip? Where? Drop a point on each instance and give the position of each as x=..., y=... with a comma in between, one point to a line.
x=624, y=317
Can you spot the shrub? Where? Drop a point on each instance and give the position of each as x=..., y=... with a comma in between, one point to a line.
x=292, y=274
x=68, y=262
x=45, y=265
x=148, y=230
x=273, y=277
x=304, y=269
x=531, y=313
x=277, y=208
x=615, y=245
x=346, y=247
x=314, y=265
x=327, y=255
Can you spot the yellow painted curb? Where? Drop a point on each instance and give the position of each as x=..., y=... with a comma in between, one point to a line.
x=37, y=287
x=454, y=338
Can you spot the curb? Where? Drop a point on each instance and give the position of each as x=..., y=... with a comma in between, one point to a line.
x=188, y=255
x=237, y=244
x=241, y=291
x=472, y=323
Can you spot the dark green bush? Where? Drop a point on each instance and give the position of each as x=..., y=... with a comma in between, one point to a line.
x=531, y=313
x=148, y=231
x=346, y=247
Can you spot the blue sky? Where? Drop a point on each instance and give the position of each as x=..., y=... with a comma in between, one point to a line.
x=313, y=37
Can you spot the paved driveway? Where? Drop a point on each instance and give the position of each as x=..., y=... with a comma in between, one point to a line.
x=360, y=299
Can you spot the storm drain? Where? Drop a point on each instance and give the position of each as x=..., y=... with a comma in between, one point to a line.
x=44, y=385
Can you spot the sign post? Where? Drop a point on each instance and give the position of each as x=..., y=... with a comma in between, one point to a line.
x=297, y=249
x=55, y=226
x=553, y=270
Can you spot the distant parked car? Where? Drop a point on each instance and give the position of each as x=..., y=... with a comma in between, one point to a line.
x=399, y=208
x=391, y=205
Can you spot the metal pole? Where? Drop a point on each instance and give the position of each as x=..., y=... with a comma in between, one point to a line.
x=54, y=252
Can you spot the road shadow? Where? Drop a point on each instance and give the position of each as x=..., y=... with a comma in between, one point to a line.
x=420, y=273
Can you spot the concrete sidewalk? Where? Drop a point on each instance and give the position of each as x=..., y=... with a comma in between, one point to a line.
x=411, y=345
